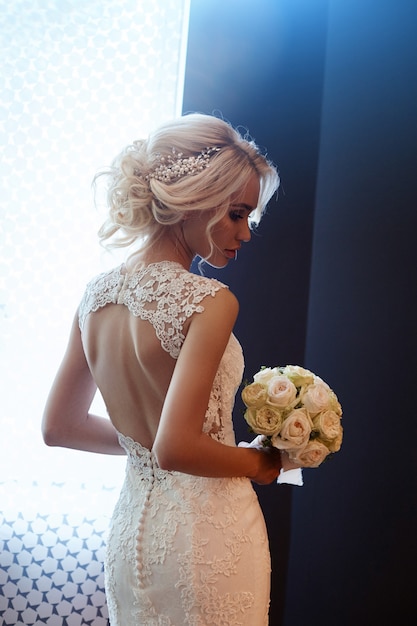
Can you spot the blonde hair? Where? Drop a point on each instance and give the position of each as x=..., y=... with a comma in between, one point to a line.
x=141, y=206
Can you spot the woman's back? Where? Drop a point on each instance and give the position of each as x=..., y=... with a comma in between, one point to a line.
x=130, y=368
x=132, y=338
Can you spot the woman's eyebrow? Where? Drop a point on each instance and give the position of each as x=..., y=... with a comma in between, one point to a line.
x=243, y=205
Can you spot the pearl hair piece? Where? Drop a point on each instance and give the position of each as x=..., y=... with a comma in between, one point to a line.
x=176, y=166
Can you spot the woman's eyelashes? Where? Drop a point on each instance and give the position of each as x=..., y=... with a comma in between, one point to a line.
x=236, y=215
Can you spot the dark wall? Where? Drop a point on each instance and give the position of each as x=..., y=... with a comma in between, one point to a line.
x=330, y=88
x=259, y=63
x=359, y=512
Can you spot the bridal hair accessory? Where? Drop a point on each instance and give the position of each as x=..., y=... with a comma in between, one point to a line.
x=176, y=166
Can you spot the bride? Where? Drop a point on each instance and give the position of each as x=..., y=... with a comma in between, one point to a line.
x=187, y=543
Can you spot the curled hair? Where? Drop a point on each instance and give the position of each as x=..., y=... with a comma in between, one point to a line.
x=142, y=206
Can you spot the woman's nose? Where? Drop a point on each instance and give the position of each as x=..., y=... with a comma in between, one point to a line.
x=245, y=232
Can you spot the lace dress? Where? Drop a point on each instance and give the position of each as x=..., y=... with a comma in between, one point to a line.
x=182, y=550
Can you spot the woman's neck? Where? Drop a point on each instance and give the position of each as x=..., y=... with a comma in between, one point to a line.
x=170, y=246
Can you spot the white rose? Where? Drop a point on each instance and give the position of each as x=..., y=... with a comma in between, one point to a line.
x=316, y=397
x=327, y=423
x=295, y=431
x=312, y=455
x=298, y=375
x=264, y=421
x=265, y=374
x=281, y=391
x=254, y=395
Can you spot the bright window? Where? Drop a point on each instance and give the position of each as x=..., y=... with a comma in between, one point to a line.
x=80, y=80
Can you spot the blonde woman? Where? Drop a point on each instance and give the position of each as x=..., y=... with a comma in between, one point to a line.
x=187, y=544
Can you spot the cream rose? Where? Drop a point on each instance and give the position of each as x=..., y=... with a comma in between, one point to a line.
x=336, y=444
x=335, y=404
x=281, y=391
x=298, y=375
x=327, y=424
x=312, y=455
x=316, y=398
x=264, y=421
x=265, y=374
x=295, y=431
x=254, y=395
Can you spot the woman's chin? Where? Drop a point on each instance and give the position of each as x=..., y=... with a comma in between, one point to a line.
x=216, y=263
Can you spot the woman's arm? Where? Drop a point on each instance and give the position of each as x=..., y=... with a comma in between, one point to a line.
x=66, y=420
x=180, y=443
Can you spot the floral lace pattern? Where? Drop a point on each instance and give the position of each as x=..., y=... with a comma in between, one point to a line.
x=163, y=293
x=182, y=550
x=185, y=550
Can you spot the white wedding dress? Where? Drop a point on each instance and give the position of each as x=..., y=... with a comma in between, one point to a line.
x=182, y=550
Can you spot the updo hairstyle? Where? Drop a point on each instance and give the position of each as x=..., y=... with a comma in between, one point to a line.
x=141, y=206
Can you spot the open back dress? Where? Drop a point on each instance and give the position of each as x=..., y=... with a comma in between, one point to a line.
x=182, y=550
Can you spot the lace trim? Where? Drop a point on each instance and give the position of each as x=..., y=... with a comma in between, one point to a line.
x=164, y=293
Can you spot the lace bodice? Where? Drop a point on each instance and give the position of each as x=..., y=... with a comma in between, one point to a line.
x=166, y=295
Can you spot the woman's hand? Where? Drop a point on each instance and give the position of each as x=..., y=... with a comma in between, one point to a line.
x=269, y=465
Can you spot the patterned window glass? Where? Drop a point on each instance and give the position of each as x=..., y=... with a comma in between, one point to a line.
x=79, y=79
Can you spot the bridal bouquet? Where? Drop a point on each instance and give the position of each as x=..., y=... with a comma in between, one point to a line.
x=295, y=411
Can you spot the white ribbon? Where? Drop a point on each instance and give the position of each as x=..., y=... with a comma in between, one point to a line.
x=289, y=474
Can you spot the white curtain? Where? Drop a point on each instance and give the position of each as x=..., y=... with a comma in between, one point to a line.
x=79, y=79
